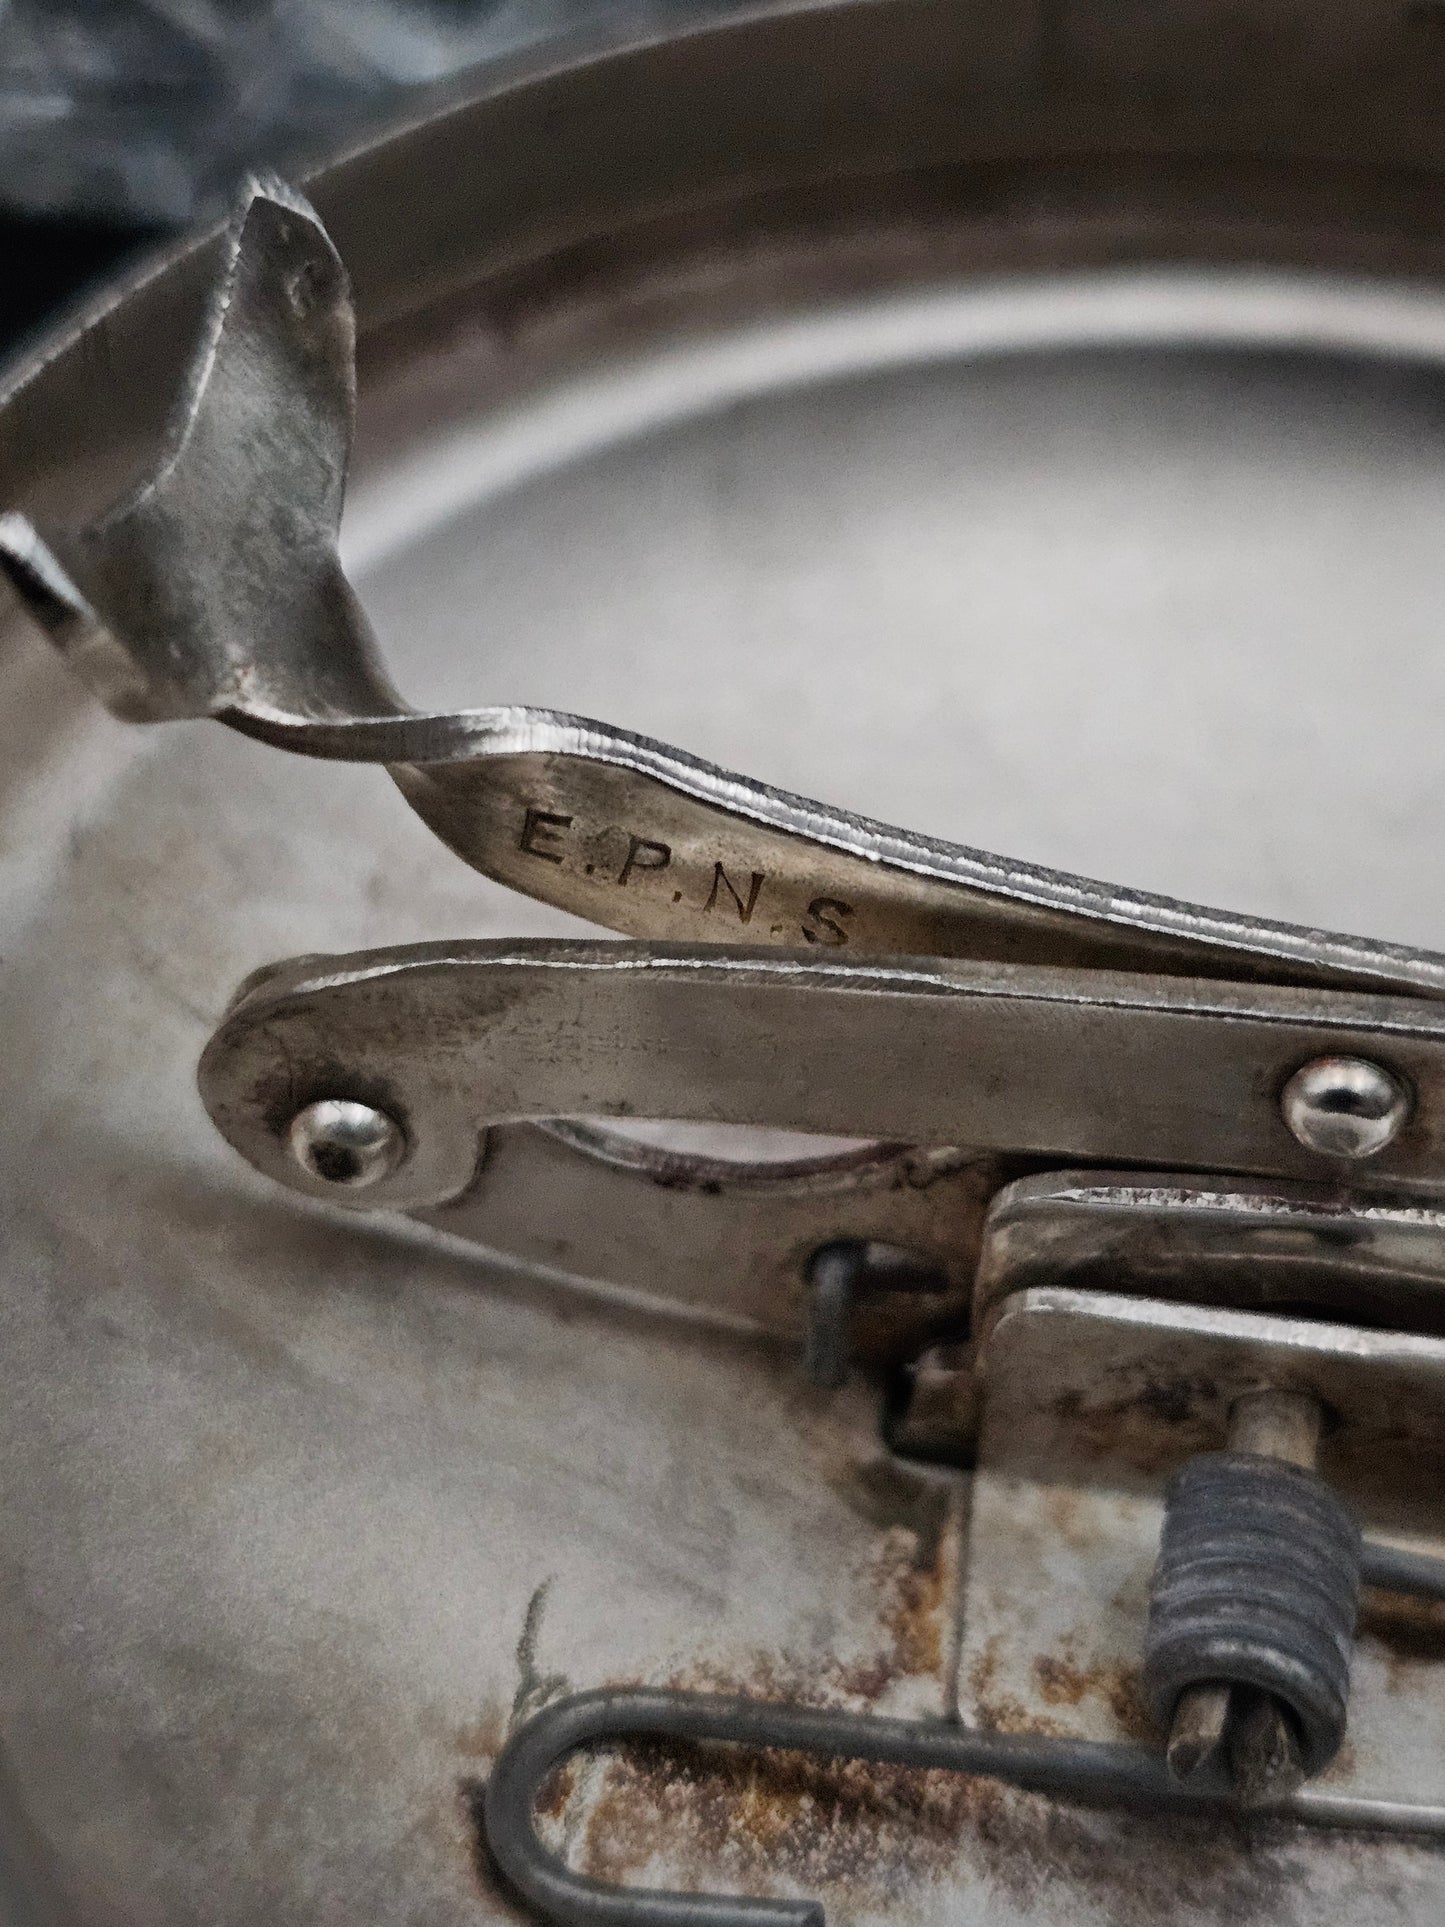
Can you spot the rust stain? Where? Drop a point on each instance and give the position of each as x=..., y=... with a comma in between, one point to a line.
x=914, y=1620
x=915, y=1572
x=1006, y=1713
x=854, y=1833
x=557, y=1789
x=995, y=1709
x=1151, y=1426
x=1063, y=1682
x=850, y=1832
x=911, y=1575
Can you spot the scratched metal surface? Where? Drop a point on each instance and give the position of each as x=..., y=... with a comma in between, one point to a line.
x=1089, y=1411
x=298, y=1508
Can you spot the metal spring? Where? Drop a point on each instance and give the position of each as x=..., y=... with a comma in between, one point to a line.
x=1092, y=1771
x=1257, y=1584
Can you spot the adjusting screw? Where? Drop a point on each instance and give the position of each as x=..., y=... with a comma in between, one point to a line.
x=1344, y=1107
x=345, y=1143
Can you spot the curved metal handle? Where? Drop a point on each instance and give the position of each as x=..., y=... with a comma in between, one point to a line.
x=215, y=589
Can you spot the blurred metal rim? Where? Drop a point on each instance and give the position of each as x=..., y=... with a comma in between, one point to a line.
x=1035, y=136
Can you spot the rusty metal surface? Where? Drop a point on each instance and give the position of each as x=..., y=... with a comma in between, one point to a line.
x=1091, y=1403
x=1132, y=1775
x=282, y=1489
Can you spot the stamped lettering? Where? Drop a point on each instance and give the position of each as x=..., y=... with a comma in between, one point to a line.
x=821, y=923
x=553, y=837
x=540, y=830
x=722, y=881
x=644, y=855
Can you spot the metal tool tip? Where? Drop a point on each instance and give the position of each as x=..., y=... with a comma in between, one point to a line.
x=1197, y=1732
x=1264, y=1750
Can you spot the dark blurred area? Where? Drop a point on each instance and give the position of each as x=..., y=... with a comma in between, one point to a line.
x=123, y=120
x=46, y=262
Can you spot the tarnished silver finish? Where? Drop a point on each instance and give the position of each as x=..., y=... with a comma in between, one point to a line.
x=342, y=1142
x=216, y=582
x=697, y=389
x=1380, y=1386
x=1344, y=1107
x=1278, y=1246
x=215, y=590
x=1061, y=1062
x=458, y=1041
x=1285, y=1249
x=726, y=1242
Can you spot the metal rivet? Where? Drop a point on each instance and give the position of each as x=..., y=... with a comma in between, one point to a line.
x=1344, y=1107
x=346, y=1143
